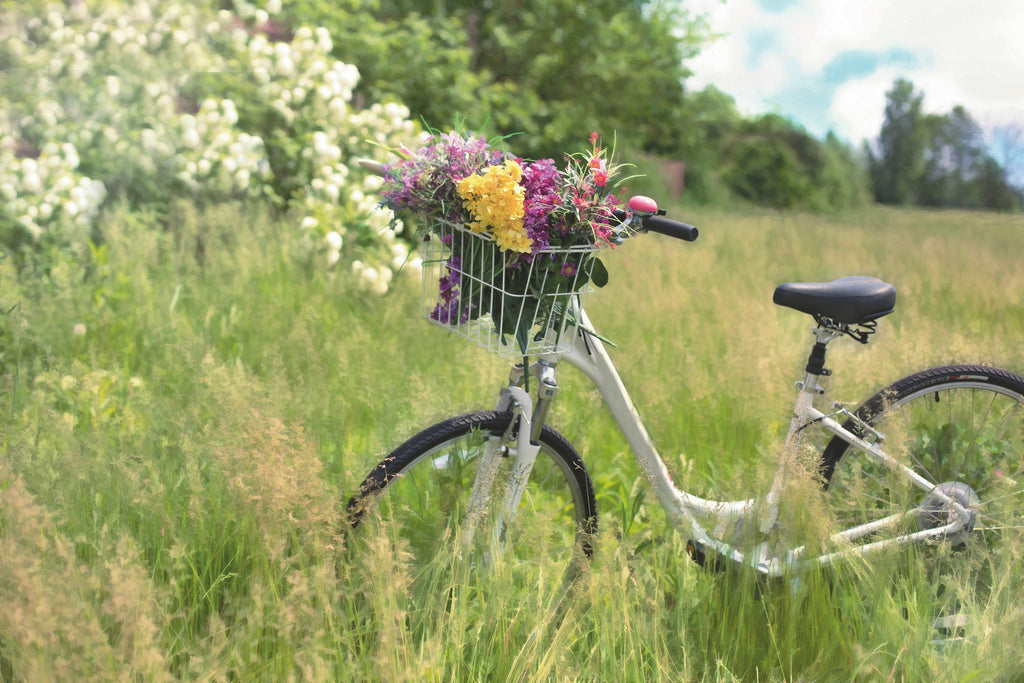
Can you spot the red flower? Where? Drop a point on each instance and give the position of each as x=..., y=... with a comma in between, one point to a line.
x=597, y=165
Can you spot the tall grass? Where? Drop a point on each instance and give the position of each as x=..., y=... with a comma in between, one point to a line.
x=173, y=481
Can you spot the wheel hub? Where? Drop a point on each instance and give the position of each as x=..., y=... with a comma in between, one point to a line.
x=934, y=512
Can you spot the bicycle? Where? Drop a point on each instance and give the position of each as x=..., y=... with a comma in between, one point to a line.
x=933, y=458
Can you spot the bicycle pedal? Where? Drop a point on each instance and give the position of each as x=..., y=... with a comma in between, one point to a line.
x=706, y=558
x=696, y=552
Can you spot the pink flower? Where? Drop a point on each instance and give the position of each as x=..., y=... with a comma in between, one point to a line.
x=600, y=170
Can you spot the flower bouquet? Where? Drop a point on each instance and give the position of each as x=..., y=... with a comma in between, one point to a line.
x=510, y=243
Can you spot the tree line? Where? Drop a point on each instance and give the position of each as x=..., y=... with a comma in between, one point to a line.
x=550, y=71
x=937, y=160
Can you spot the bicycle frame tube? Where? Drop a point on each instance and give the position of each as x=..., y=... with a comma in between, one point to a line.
x=589, y=356
x=683, y=509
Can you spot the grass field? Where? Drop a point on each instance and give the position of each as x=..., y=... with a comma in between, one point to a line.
x=182, y=427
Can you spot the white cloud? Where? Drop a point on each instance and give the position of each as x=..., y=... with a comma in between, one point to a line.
x=968, y=54
x=858, y=106
x=725, y=62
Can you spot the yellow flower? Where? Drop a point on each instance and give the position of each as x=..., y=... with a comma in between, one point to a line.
x=495, y=202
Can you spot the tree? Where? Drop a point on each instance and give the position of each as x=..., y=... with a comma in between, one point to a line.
x=554, y=69
x=994, y=189
x=844, y=182
x=957, y=169
x=405, y=51
x=709, y=120
x=896, y=163
x=934, y=186
x=953, y=160
x=938, y=159
x=773, y=162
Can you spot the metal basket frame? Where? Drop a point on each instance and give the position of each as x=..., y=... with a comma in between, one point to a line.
x=500, y=299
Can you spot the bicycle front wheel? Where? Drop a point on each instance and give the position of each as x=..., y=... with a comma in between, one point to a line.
x=961, y=428
x=418, y=498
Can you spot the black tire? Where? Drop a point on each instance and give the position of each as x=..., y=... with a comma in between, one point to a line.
x=962, y=428
x=417, y=498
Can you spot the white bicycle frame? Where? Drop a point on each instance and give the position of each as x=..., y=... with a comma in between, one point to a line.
x=684, y=509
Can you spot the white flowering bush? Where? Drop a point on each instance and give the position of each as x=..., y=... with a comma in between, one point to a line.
x=211, y=158
x=46, y=197
x=156, y=100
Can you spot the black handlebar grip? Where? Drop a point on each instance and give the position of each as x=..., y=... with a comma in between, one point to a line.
x=667, y=226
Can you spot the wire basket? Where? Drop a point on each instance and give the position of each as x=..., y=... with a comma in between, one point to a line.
x=511, y=304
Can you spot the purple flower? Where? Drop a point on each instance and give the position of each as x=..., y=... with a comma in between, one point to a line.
x=425, y=184
x=448, y=309
x=541, y=182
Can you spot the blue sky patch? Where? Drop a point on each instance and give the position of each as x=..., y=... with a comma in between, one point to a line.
x=776, y=6
x=852, y=64
x=759, y=59
x=900, y=57
x=760, y=43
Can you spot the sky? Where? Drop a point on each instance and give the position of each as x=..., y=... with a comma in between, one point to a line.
x=827, y=64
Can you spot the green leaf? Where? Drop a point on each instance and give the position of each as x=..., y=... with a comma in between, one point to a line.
x=598, y=273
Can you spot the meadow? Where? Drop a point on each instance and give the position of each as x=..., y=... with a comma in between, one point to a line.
x=186, y=412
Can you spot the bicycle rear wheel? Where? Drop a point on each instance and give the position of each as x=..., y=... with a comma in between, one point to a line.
x=962, y=428
x=418, y=499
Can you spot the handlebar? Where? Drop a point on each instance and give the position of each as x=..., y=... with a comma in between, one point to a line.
x=669, y=227
x=649, y=218
x=652, y=220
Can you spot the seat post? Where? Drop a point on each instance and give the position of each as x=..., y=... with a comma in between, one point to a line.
x=823, y=334
x=816, y=360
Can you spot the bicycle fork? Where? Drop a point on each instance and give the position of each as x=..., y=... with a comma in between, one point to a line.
x=530, y=421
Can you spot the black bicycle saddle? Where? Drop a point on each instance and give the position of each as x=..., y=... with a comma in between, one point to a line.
x=854, y=300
